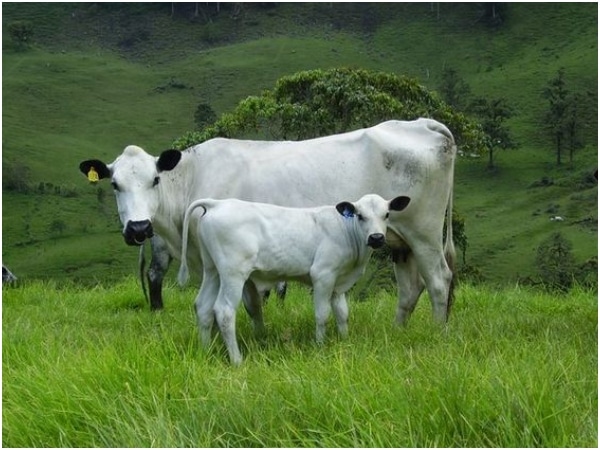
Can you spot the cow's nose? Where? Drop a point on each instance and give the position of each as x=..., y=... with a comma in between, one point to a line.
x=376, y=240
x=136, y=232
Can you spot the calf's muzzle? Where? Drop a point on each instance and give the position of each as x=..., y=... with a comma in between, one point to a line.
x=137, y=232
x=376, y=240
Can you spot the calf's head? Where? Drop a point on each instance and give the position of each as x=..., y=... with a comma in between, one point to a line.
x=135, y=177
x=370, y=214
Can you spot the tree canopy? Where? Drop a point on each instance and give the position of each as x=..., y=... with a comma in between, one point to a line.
x=321, y=102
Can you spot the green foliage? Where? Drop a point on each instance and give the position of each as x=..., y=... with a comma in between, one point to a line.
x=555, y=262
x=204, y=115
x=493, y=113
x=15, y=177
x=319, y=102
x=454, y=89
x=562, y=117
x=93, y=367
x=57, y=227
x=21, y=33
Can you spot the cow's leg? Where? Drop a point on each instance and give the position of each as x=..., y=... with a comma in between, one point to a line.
x=281, y=290
x=253, y=303
x=437, y=275
x=409, y=282
x=340, y=310
x=230, y=295
x=205, y=302
x=159, y=264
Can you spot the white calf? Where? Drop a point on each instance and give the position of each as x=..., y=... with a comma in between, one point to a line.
x=326, y=247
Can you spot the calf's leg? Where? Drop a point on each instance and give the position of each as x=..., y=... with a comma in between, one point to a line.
x=340, y=310
x=205, y=302
x=230, y=295
x=322, y=293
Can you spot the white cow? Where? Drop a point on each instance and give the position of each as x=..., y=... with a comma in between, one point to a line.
x=326, y=247
x=415, y=158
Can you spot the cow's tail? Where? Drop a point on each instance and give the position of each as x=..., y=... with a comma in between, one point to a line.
x=184, y=275
x=450, y=251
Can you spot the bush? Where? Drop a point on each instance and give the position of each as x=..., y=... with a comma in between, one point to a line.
x=204, y=115
x=555, y=262
x=15, y=177
x=21, y=33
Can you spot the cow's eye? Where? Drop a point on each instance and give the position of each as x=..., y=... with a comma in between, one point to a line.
x=115, y=186
x=156, y=180
x=360, y=217
x=387, y=215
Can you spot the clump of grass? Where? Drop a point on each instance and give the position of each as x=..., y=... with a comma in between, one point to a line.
x=83, y=368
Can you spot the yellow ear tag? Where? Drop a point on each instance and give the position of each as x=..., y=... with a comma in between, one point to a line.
x=93, y=175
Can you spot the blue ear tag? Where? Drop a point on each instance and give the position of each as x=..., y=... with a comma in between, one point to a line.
x=348, y=214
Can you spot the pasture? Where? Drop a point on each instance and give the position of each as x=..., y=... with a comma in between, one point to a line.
x=61, y=105
x=93, y=367
x=86, y=364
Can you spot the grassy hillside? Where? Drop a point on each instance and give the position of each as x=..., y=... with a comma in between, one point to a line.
x=103, y=76
x=94, y=368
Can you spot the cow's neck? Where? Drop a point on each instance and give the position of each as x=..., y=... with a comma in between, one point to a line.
x=175, y=190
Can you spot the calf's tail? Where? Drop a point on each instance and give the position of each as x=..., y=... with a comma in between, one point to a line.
x=184, y=275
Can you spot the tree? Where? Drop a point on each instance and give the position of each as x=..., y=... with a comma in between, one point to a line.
x=57, y=226
x=561, y=119
x=454, y=90
x=492, y=114
x=15, y=177
x=321, y=102
x=204, y=115
x=21, y=33
x=492, y=13
x=572, y=126
x=555, y=262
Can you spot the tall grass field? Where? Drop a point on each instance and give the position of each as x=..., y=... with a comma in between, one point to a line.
x=93, y=367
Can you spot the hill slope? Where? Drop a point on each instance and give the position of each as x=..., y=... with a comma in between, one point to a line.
x=104, y=76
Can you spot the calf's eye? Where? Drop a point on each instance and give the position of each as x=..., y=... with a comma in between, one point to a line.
x=156, y=180
x=115, y=186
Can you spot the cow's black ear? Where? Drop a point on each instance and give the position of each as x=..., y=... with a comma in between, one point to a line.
x=346, y=209
x=399, y=203
x=168, y=160
x=97, y=165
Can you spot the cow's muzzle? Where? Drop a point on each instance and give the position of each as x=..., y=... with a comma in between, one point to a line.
x=137, y=232
x=376, y=240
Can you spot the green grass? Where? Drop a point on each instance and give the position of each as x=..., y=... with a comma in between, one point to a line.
x=94, y=367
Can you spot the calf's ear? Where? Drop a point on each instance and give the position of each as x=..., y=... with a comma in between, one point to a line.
x=97, y=165
x=168, y=160
x=346, y=209
x=399, y=203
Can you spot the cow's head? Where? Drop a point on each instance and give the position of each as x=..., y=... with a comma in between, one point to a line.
x=370, y=215
x=135, y=176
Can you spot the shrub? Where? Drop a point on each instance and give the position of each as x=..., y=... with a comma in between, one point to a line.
x=555, y=262
x=204, y=115
x=15, y=177
x=21, y=33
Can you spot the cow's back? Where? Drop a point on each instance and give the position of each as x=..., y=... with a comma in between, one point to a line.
x=392, y=158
